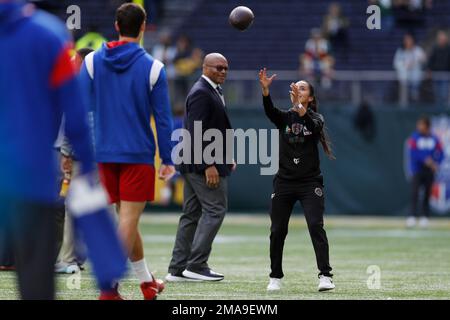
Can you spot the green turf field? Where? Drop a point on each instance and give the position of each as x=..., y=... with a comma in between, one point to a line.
x=414, y=264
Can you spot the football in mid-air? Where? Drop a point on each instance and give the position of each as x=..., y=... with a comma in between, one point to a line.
x=241, y=18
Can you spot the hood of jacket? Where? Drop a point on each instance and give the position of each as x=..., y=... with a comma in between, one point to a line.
x=121, y=57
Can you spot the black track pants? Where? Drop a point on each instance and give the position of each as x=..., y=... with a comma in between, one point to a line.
x=423, y=179
x=310, y=195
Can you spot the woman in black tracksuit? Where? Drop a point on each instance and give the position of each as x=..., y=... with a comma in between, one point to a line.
x=299, y=177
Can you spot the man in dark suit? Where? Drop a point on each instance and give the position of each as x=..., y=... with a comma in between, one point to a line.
x=205, y=188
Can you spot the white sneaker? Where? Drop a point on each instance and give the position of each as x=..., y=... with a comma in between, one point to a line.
x=274, y=284
x=178, y=278
x=70, y=268
x=423, y=223
x=410, y=222
x=325, y=283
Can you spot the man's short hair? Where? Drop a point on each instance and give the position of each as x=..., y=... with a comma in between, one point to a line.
x=130, y=17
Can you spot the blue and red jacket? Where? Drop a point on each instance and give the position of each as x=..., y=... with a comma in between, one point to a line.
x=37, y=85
x=422, y=147
x=125, y=86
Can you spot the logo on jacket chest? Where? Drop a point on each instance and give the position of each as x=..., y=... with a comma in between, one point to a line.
x=297, y=128
x=426, y=143
x=294, y=132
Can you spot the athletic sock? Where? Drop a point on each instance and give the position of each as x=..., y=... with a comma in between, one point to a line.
x=141, y=270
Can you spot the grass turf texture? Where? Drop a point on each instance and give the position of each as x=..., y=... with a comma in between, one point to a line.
x=414, y=264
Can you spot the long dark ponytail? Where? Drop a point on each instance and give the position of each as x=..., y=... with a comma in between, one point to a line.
x=324, y=138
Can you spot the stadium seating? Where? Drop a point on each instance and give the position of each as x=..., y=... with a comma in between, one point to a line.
x=272, y=40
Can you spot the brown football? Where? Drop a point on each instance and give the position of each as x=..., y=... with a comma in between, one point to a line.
x=241, y=18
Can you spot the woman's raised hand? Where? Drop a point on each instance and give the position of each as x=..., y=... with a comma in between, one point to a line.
x=295, y=94
x=265, y=81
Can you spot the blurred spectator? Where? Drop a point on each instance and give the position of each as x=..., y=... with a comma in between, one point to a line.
x=439, y=61
x=335, y=28
x=316, y=62
x=91, y=39
x=165, y=52
x=69, y=260
x=410, y=14
x=425, y=155
x=187, y=61
x=408, y=62
x=364, y=121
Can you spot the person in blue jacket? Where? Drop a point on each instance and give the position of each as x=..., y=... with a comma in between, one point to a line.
x=37, y=86
x=125, y=86
x=425, y=155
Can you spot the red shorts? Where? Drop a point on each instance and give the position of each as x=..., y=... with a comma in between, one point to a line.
x=128, y=181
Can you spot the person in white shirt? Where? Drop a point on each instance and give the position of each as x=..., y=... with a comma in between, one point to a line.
x=408, y=62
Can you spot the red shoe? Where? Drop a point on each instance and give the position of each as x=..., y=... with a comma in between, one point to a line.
x=150, y=290
x=159, y=282
x=113, y=294
x=161, y=285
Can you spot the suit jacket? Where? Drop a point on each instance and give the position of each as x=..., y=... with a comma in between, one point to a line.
x=204, y=104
